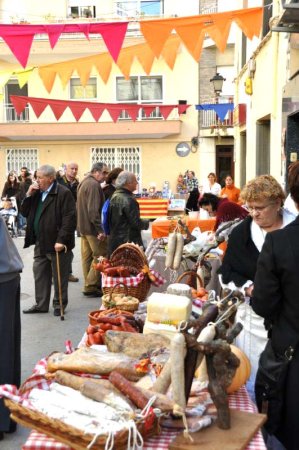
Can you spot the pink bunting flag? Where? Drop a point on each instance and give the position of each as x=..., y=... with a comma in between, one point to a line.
x=19, y=37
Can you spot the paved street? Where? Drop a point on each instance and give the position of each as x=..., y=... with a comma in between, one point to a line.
x=44, y=333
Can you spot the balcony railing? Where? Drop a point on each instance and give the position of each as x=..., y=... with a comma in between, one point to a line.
x=155, y=115
x=10, y=114
x=209, y=118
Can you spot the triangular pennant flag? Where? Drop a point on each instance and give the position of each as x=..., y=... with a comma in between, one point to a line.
x=148, y=109
x=182, y=108
x=77, y=109
x=58, y=107
x=54, y=32
x=19, y=102
x=96, y=111
x=170, y=50
x=23, y=76
x=48, y=76
x=113, y=36
x=249, y=20
x=19, y=42
x=133, y=111
x=222, y=22
x=114, y=111
x=125, y=61
x=103, y=64
x=165, y=110
x=65, y=76
x=38, y=106
x=84, y=28
x=156, y=33
x=146, y=58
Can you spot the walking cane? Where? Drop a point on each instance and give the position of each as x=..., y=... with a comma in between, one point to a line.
x=59, y=286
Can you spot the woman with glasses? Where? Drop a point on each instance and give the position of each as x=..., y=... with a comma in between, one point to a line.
x=275, y=298
x=264, y=199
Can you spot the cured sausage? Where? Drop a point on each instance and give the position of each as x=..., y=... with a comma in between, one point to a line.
x=126, y=388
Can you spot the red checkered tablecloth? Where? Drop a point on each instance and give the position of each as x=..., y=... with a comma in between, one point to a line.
x=239, y=400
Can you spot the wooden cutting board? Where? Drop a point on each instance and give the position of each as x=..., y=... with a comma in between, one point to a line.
x=244, y=425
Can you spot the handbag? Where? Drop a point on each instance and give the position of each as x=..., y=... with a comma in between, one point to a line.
x=270, y=384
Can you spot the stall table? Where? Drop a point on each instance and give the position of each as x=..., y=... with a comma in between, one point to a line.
x=151, y=208
x=240, y=400
x=161, y=227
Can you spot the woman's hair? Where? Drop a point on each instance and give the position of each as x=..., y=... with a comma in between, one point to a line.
x=213, y=175
x=15, y=181
x=263, y=187
x=113, y=175
x=293, y=180
x=209, y=199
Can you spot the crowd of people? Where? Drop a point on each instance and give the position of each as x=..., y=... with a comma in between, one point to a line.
x=260, y=261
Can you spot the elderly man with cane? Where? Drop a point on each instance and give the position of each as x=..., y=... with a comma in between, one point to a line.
x=51, y=221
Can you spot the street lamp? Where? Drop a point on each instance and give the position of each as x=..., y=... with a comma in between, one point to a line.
x=217, y=81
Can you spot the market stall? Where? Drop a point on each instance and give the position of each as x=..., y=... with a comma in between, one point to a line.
x=147, y=372
x=161, y=227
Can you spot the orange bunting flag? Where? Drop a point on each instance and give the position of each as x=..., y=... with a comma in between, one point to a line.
x=192, y=29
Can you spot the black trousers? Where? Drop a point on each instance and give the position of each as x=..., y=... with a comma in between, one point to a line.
x=44, y=266
x=10, y=338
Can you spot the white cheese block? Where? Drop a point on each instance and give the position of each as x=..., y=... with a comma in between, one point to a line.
x=179, y=289
x=162, y=329
x=168, y=308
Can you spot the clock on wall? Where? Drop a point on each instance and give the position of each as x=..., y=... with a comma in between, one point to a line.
x=183, y=149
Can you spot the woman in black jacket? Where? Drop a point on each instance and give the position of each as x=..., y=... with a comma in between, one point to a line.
x=275, y=298
x=264, y=199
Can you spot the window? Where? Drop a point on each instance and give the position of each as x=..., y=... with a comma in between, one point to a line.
x=129, y=8
x=19, y=157
x=82, y=11
x=139, y=89
x=127, y=157
x=77, y=91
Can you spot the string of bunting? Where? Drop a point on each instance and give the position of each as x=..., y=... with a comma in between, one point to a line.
x=192, y=31
x=221, y=109
x=96, y=109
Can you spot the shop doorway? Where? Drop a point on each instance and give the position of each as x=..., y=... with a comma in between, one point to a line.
x=224, y=162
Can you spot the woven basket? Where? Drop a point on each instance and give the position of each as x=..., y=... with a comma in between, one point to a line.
x=132, y=257
x=109, y=301
x=193, y=278
x=69, y=435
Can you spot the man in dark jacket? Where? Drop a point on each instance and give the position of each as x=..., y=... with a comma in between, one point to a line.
x=124, y=215
x=51, y=221
x=70, y=180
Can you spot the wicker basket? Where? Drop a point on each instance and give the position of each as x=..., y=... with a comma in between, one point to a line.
x=133, y=257
x=69, y=435
x=193, y=278
x=108, y=300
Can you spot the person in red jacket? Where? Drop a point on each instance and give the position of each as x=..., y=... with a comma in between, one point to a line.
x=221, y=208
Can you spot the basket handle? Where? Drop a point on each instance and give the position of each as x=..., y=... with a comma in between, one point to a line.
x=116, y=285
x=192, y=273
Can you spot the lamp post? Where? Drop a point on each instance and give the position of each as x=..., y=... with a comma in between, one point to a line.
x=217, y=81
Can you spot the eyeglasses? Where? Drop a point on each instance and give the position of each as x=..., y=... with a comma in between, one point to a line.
x=259, y=209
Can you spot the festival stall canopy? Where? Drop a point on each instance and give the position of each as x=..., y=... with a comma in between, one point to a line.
x=191, y=30
x=96, y=109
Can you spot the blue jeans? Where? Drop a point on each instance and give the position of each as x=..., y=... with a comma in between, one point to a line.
x=21, y=221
